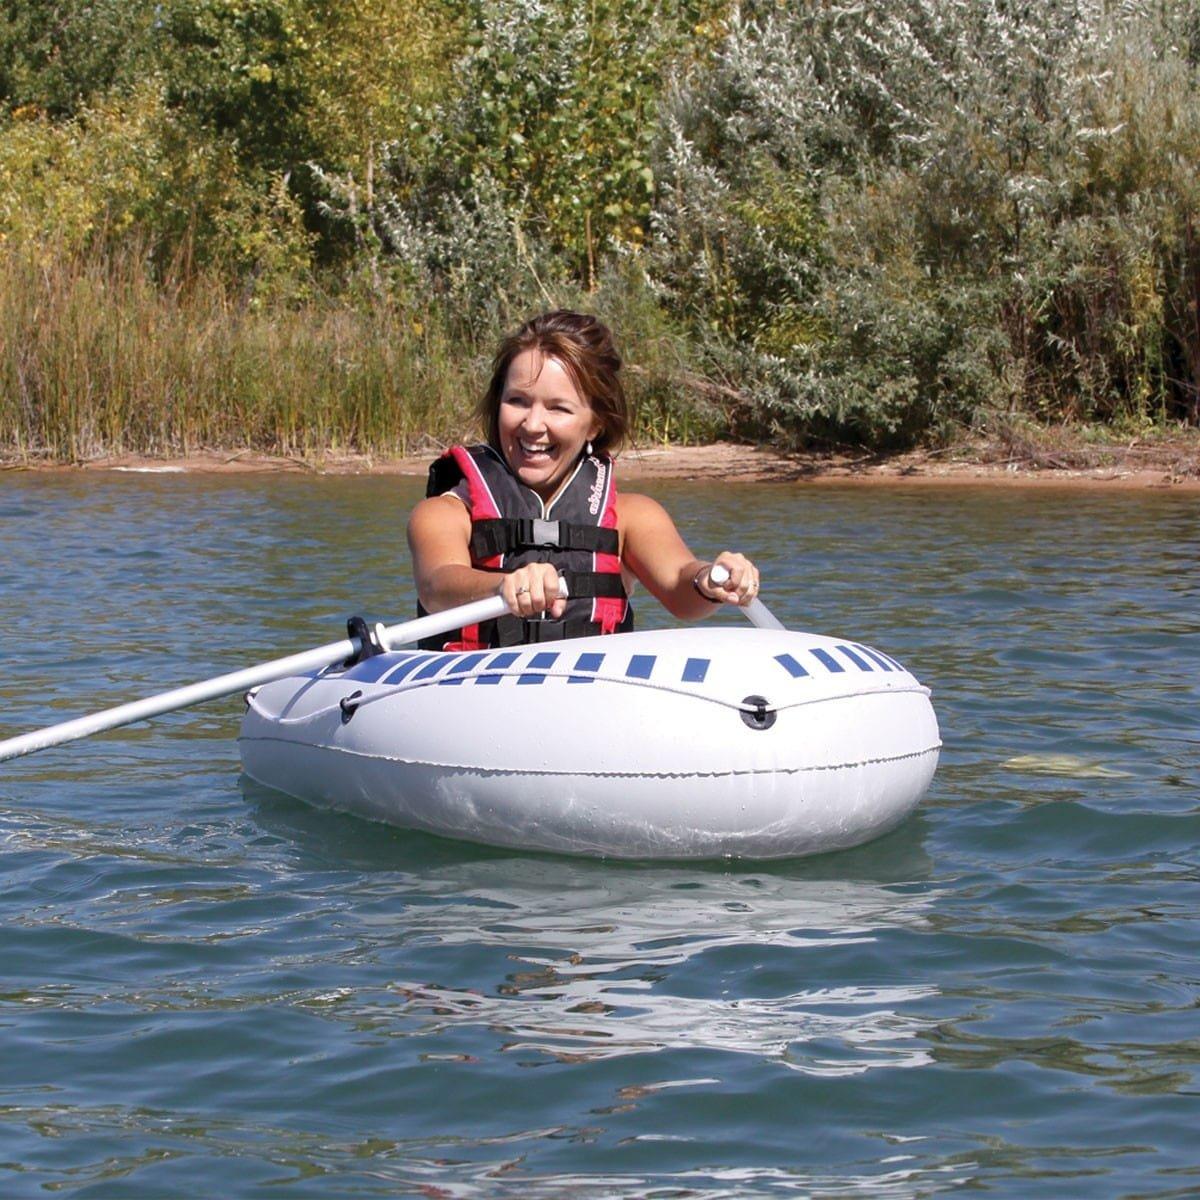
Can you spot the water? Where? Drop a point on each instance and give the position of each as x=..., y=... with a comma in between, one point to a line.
x=208, y=989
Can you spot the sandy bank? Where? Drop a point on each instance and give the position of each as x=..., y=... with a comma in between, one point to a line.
x=1172, y=464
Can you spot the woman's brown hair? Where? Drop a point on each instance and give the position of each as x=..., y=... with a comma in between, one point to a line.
x=584, y=346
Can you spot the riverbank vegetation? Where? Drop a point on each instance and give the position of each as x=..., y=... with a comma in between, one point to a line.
x=300, y=226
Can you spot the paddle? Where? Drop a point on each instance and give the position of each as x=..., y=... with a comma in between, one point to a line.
x=757, y=613
x=239, y=681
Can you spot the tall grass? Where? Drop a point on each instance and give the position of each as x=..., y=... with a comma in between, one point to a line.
x=100, y=356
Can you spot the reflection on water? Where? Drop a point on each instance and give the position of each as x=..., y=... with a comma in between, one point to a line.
x=208, y=984
x=1070, y=765
x=596, y=981
x=296, y=1162
x=612, y=973
x=583, y=1019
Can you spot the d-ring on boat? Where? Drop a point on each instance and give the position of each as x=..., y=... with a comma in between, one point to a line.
x=685, y=743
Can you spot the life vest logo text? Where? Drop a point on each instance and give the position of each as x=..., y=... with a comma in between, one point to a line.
x=596, y=495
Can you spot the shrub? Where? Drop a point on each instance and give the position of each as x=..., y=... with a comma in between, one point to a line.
x=987, y=207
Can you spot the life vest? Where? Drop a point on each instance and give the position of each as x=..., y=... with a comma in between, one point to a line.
x=512, y=526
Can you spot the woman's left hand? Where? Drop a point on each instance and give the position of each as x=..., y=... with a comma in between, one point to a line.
x=532, y=589
x=740, y=587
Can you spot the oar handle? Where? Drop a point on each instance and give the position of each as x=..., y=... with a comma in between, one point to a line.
x=239, y=681
x=757, y=613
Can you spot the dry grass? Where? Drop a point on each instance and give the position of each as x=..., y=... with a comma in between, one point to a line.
x=99, y=357
x=1174, y=450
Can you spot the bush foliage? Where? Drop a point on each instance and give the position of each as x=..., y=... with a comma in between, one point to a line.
x=868, y=222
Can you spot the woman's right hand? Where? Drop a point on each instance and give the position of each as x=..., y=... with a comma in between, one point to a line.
x=738, y=576
x=532, y=589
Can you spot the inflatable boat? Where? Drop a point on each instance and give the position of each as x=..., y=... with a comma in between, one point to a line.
x=679, y=744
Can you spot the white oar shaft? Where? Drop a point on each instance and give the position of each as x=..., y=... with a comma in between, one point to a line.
x=238, y=681
x=757, y=613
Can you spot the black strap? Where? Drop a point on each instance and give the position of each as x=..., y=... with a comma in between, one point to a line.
x=587, y=585
x=508, y=535
x=514, y=631
x=444, y=475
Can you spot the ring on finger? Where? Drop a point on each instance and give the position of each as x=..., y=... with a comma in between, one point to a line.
x=521, y=591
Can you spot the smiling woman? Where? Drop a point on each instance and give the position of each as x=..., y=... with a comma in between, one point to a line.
x=543, y=423
x=538, y=501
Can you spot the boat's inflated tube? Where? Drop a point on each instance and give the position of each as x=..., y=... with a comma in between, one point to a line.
x=688, y=743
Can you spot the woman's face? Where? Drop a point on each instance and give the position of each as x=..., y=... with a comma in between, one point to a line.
x=543, y=421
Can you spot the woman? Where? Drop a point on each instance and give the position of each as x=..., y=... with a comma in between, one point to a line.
x=539, y=499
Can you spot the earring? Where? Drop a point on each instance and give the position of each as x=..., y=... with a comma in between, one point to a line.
x=588, y=448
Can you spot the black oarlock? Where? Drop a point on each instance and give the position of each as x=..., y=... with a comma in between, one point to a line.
x=367, y=635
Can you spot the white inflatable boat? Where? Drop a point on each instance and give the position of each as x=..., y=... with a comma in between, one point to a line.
x=685, y=743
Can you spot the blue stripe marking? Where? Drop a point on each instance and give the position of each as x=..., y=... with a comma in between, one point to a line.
x=586, y=662
x=790, y=665
x=502, y=661
x=498, y=662
x=640, y=666
x=878, y=659
x=466, y=663
x=404, y=669
x=451, y=682
x=539, y=662
x=371, y=669
x=695, y=669
x=823, y=656
x=860, y=663
x=430, y=669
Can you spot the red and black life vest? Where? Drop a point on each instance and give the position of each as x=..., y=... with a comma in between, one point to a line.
x=511, y=526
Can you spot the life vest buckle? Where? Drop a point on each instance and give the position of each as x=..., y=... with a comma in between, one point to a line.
x=533, y=531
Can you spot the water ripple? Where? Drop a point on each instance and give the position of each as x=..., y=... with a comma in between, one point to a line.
x=205, y=987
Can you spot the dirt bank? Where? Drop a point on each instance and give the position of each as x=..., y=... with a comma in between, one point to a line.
x=1164, y=463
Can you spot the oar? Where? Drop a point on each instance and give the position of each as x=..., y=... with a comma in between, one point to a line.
x=757, y=613
x=239, y=681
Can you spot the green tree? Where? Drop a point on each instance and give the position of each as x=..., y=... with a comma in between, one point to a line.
x=546, y=121
x=58, y=55
x=242, y=70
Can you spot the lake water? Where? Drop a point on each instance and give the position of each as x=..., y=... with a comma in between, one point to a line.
x=210, y=990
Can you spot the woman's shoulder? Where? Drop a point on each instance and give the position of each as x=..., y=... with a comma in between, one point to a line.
x=635, y=509
x=449, y=507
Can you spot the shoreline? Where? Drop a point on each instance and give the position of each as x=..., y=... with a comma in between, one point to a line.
x=1172, y=465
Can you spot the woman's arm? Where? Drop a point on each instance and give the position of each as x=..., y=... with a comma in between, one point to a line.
x=653, y=550
x=439, y=536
